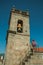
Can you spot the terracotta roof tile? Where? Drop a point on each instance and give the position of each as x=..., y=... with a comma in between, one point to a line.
x=39, y=49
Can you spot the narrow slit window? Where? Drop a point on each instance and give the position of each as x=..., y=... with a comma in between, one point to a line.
x=20, y=26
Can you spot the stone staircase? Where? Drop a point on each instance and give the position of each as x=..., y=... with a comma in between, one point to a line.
x=32, y=59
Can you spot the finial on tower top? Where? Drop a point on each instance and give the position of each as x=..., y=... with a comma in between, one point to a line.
x=27, y=10
x=13, y=8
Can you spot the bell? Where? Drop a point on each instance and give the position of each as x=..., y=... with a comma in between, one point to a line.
x=19, y=25
x=19, y=28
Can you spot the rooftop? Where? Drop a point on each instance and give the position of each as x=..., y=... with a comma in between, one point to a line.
x=39, y=49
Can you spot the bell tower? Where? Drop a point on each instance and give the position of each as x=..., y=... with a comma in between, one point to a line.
x=18, y=37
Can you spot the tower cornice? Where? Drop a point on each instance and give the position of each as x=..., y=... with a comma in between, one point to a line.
x=25, y=13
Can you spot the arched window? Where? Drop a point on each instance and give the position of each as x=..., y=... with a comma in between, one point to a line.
x=20, y=26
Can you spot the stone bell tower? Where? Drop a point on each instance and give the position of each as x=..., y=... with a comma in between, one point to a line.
x=18, y=37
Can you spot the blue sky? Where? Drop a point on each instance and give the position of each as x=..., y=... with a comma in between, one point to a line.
x=36, y=19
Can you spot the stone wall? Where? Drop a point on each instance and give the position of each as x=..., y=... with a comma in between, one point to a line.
x=17, y=48
x=13, y=23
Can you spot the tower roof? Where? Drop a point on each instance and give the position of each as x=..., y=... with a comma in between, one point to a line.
x=14, y=10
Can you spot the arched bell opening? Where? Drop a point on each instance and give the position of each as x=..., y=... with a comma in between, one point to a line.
x=20, y=26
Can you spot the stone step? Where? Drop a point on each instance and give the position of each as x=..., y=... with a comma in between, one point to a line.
x=34, y=60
